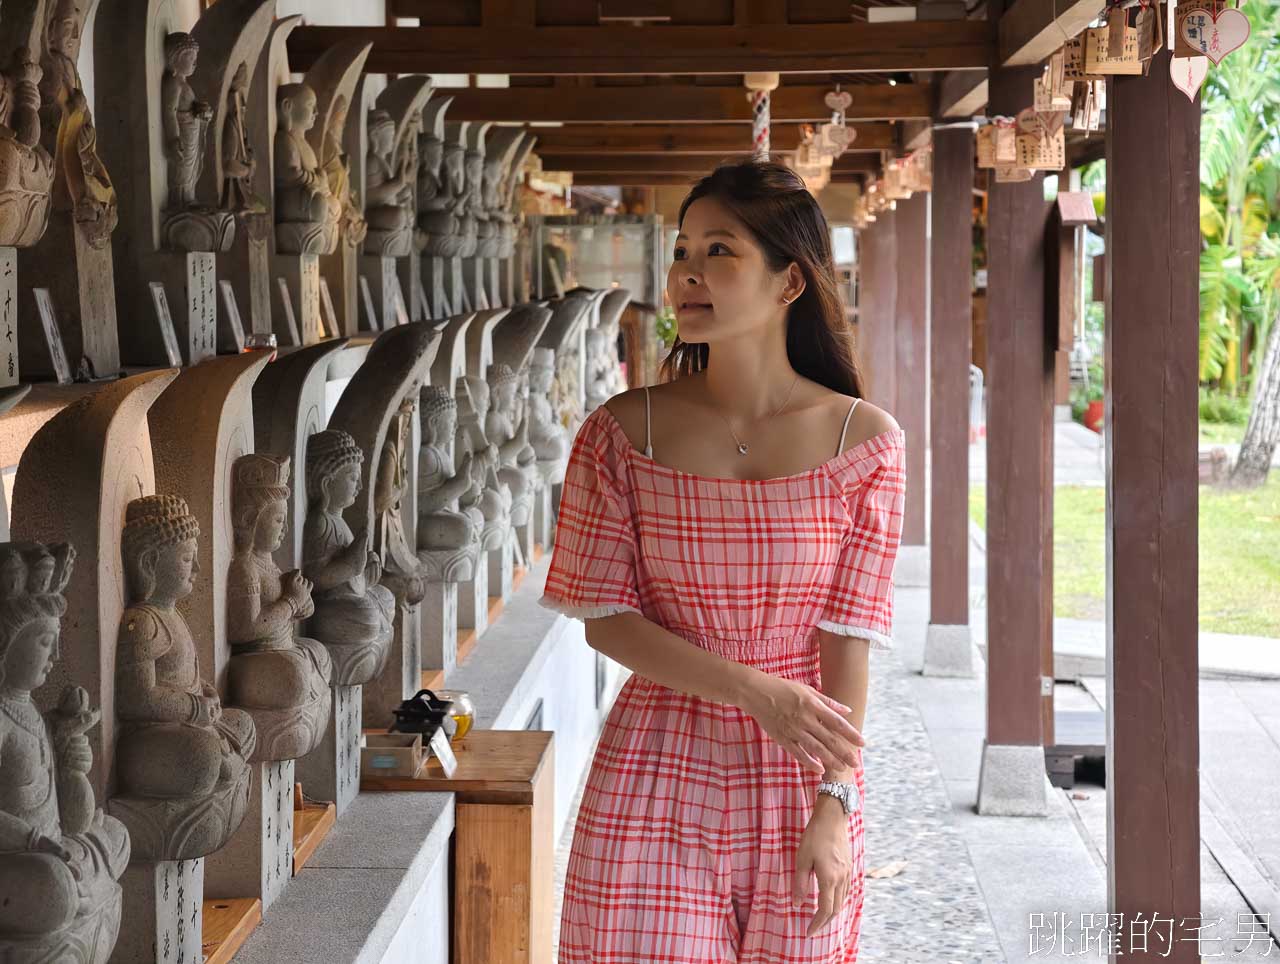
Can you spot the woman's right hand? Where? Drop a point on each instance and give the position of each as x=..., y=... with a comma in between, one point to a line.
x=806, y=723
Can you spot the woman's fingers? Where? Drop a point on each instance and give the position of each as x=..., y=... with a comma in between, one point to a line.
x=826, y=903
x=837, y=748
x=841, y=727
x=800, y=879
x=815, y=748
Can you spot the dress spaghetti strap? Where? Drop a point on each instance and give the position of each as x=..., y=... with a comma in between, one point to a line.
x=648, y=447
x=840, y=446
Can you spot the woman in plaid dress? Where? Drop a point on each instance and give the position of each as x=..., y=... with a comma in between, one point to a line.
x=742, y=572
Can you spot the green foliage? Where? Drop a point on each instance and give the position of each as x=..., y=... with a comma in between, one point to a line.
x=1223, y=408
x=666, y=322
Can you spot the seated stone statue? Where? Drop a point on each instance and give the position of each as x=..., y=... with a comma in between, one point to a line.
x=450, y=520
x=354, y=615
x=503, y=424
x=281, y=679
x=438, y=216
x=181, y=759
x=307, y=213
x=60, y=856
x=26, y=168
x=337, y=167
x=388, y=194
x=403, y=573
x=496, y=501
x=238, y=163
x=550, y=439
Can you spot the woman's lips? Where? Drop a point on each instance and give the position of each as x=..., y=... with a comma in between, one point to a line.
x=693, y=305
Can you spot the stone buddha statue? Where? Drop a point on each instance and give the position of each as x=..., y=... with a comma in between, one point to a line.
x=489, y=226
x=307, y=213
x=599, y=364
x=26, y=168
x=337, y=167
x=450, y=520
x=439, y=216
x=186, y=120
x=388, y=192
x=181, y=759
x=279, y=678
x=496, y=501
x=354, y=615
x=548, y=437
x=402, y=569
x=60, y=855
x=470, y=208
x=505, y=427
x=238, y=162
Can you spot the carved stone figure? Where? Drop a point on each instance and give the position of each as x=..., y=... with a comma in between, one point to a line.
x=388, y=189
x=431, y=198
x=600, y=367
x=238, y=162
x=503, y=427
x=337, y=167
x=450, y=520
x=471, y=207
x=402, y=572
x=85, y=188
x=26, y=168
x=441, y=218
x=280, y=678
x=307, y=213
x=354, y=615
x=60, y=855
x=182, y=774
x=186, y=120
x=496, y=501
x=547, y=436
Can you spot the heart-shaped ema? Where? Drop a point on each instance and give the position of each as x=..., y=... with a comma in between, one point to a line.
x=839, y=100
x=837, y=136
x=1215, y=36
x=1030, y=122
x=1188, y=73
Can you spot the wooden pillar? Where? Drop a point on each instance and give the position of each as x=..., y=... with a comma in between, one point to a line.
x=911, y=354
x=948, y=649
x=1012, y=781
x=1153, y=240
x=878, y=301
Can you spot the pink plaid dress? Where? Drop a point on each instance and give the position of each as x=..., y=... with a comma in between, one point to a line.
x=685, y=842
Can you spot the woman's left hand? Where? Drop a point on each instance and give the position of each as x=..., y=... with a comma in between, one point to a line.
x=825, y=853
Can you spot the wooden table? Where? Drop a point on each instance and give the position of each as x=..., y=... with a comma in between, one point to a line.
x=504, y=843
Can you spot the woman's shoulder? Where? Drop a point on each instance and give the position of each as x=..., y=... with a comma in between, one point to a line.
x=868, y=423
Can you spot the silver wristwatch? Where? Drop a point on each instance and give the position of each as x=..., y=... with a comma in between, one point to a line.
x=846, y=793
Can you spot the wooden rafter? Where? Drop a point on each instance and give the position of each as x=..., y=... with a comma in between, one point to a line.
x=552, y=51
x=590, y=179
x=688, y=139
x=1031, y=30
x=962, y=93
x=683, y=104
x=669, y=163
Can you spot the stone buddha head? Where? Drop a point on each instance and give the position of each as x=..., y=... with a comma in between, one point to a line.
x=32, y=579
x=382, y=133
x=542, y=370
x=296, y=107
x=438, y=415
x=260, y=502
x=455, y=172
x=160, y=545
x=180, y=53
x=333, y=470
x=504, y=383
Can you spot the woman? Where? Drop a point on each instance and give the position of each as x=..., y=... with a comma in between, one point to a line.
x=743, y=573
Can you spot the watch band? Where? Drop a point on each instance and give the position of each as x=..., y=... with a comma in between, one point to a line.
x=846, y=793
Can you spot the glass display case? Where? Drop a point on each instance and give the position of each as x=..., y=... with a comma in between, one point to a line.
x=606, y=251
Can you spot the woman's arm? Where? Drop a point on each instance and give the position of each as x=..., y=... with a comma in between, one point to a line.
x=845, y=663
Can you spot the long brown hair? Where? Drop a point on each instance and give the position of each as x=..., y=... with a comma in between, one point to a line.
x=785, y=220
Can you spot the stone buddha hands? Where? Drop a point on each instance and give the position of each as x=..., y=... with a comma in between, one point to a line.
x=353, y=614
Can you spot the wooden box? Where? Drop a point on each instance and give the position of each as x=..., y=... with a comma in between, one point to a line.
x=392, y=754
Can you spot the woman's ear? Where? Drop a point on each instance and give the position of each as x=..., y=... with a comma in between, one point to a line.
x=795, y=283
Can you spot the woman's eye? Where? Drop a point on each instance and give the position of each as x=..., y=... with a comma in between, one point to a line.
x=717, y=244
x=678, y=254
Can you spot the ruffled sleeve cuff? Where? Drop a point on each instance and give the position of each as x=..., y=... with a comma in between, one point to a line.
x=548, y=601
x=877, y=640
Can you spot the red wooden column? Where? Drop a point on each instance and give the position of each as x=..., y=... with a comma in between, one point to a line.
x=911, y=361
x=877, y=302
x=1013, y=780
x=1153, y=239
x=948, y=646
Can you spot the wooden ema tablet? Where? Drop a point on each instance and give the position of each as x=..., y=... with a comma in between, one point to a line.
x=226, y=925
x=311, y=824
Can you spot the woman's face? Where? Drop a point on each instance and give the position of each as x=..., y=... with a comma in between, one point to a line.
x=718, y=283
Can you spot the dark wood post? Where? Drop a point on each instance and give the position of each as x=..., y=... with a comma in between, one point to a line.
x=877, y=266
x=911, y=354
x=948, y=648
x=1153, y=241
x=1018, y=471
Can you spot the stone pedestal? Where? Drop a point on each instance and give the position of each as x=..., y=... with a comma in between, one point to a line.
x=409, y=270
x=8, y=316
x=435, y=270
x=948, y=651
x=440, y=627
x=402, y=676
x=340, y=270
x=501, y=564
x=258, y=860
x=332, y=770
x=384, y=286
x=473, y=283
x=544, y=518
x=507, y=268
x=81, y=279
x=301, y=273
x=162, y=905
x=248, y=266
x=493, y=285
x=191, y=286
x=473, y=597
x=455, y=291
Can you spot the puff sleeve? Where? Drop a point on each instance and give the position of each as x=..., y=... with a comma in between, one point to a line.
x=593, y=561
x=860, y=602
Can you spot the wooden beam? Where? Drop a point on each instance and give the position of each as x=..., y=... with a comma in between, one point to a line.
x=759, y=11
x=962, y=93
x=915, y=135
x=590, y=179
x=682, y=104
x=507, y=13
x=1031, y=30
x=608, y=139
x=551, y=51
x=673, y=163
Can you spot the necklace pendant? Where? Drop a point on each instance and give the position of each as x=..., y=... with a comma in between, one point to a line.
x=742, y=448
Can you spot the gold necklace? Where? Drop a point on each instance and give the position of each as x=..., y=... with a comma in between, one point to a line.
x=742, y=446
